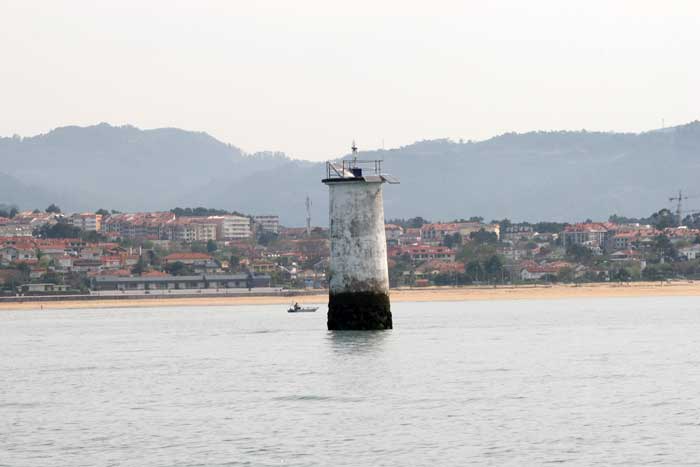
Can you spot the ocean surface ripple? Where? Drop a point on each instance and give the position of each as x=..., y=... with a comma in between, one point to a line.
x=574, y=382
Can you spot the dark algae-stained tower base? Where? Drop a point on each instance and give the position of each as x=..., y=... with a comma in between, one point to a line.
x=359, y=311
x=359, y=276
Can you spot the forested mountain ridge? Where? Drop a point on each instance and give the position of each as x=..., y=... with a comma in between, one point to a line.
x=560, y=175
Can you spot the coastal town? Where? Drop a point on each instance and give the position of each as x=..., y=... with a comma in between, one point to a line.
x=201, y=250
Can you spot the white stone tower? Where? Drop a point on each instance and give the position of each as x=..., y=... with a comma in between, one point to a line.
x=359, y=276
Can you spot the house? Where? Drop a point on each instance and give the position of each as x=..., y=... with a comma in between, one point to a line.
x=532, y=271
x=680, y=234
x=87, y=221
x=418, y=253
x=43, y=288
x=468, y=228
x=111, y=262
x=437, y=266
x=193, y=282
x=262, y=266
x=591, y=234
x=268, y=223
x=231, y=227
x=63, y=261
x=393, y=233
x=86, y=265
x=37, y=272
x=35, y=220
x=434, y=234
x=690, y=252
x=90, y=253
x=14, y=229
x=12, y=254
x=517, y=232
x=624, y=255
x=187, y=258
x=149, y=225
x=195, y=229
x=628, y=238
x=60, y=245
x=200, y=263
x=512, y=253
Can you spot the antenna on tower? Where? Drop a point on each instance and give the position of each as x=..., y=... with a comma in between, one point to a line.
x=308, y=216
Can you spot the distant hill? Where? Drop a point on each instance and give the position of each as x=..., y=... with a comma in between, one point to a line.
x=15, y=193
x=123, y=167
x=532, y=176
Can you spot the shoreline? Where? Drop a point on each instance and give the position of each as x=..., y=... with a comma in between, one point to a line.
x=427, y=294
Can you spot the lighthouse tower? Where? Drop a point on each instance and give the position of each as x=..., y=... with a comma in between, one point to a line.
x=359, y=276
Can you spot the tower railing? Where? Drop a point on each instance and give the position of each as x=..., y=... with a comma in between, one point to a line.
x=353, y=168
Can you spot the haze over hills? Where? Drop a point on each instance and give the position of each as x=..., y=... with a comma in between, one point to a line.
x=532, y=176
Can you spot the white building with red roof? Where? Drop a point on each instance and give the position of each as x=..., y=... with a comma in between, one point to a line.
x=591, y=234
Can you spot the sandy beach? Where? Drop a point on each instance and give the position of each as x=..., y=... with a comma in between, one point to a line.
x=428, y=294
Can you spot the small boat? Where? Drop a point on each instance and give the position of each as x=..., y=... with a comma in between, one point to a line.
x=301, y=309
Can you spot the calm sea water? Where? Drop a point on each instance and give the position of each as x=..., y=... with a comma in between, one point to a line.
x=578, y=382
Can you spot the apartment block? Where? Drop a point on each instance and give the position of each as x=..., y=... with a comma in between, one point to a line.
x=232, y=227
x=87, y=221
x=268, y=223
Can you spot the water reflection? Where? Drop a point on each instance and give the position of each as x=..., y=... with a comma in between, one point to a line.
x=357, y=342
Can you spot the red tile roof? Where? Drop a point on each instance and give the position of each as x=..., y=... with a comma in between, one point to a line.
x=589, y=227
x=154, y=274
x=187, y=256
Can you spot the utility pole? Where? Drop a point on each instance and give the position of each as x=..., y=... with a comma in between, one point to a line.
x=679, y=211
x=308, y=216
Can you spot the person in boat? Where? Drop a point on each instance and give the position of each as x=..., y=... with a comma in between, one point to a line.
x=296, y=305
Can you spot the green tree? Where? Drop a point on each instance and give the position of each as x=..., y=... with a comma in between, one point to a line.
x=51, y=277
x=53, y=209
x=265, y=237
x=198, y=247
x=24, y=271
x=663, y=219
x=211, y=246
x=579, y=253
x=621, y=275
x=483, y=236
x=140, y=266
x=657, y=272
x=549, y=227
x=412, y=223
x=178, y=268
x=452, y=240
x=59, y=230
x=92, y=236
x=474, y=271
x=494, y=268
x=102, y=212
x=565, y=275
x=8, y=212
x=664, y=248
x=451, y=279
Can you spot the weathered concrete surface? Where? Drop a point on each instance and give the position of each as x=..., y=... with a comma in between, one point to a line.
x=359, y=275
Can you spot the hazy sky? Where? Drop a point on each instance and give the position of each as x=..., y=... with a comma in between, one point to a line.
x=306, y=77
